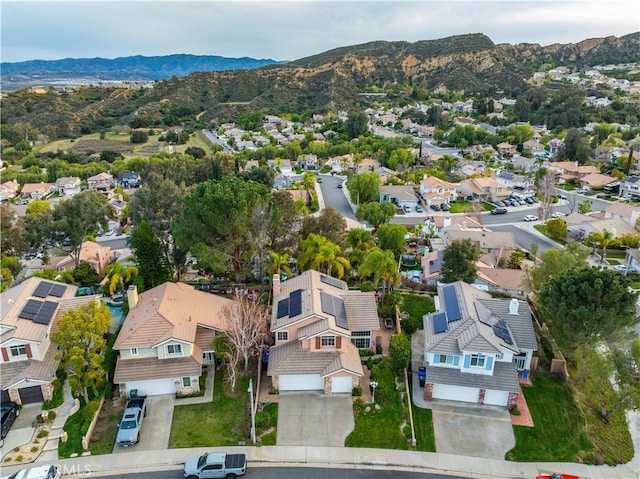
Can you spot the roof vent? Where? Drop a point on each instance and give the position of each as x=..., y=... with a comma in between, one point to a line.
x=513, y=306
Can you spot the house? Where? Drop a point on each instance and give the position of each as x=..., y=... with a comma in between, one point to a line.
x=494, y=245
x=281, y=165
x=167, y=338
x=8, y=190
x=506, y=149
x=102, y=182
x=432, y=266
x=36, y=191
x=484, y=189
x=129, y=179
x=98, y=256
x=319, y=325
x=308, y=162
x=437, y=191
x=597, y=180
x=68, y=186
x=630, y=186
x=533, y=147
x=570, y=169
x=28, y=315
x=513, y=180
x=399, y=195
x=504, y=280
x=476, y=346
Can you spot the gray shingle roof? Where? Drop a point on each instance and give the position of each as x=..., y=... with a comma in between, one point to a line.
x=292, y=358
x=505, y=377
x=521, y=324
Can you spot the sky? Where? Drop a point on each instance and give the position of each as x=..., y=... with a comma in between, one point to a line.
x=289, y=29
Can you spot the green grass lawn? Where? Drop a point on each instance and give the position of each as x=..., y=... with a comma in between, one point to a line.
x=423, y=424
x=417, y=305
x=560, y=433
x=459, y=206
x=613, y=261
x=266, y=424
x=222, y=422
x=379, y=428
x=543, y=229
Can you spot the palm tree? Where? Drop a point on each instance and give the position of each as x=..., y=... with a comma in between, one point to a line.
x=606, y=238
x=276, y=263
x=359, y=238
x=318, y=251
x=383, y=266
x=118, y=275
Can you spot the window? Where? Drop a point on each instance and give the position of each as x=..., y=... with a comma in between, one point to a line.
x=134, y=351
x=361, y=339
x=186, y=382
x=282, y=336
x=477, y=360
x=445, y=359
x=174, y=349
x=18, y=350
x=328, y=341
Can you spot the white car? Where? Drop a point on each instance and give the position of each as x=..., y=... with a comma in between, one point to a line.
x=46, y=471
x=624, y=269
x=530, y=218
x=557, y=214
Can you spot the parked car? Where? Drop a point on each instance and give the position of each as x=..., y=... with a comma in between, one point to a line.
x=529, y=200
x=10, y=411
x=530, y=218
x=499, y=211
x=339, y=185
x=557, y=214
x=444, y=207
x=46, y=471
x=407, y=209
x=623, y=268
x=508, y=203
x=419, y=209
x=131, y=423
x=625, y=198
x=556, y=476
x=215, y=464
x=500, y=204
x=434, y=207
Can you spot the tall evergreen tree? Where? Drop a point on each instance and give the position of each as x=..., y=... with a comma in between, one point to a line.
x=149, y=256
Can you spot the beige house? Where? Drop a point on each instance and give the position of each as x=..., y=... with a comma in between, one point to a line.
x=506, y=149
x=95, y=254
x=167, y=338
x=36, y=191
x=8, y=190
x=437, y=191
x=493, y=245
x=484, y=189
x=511, y=281
x=28, y=315
x=68, y=185
x=597, y=180
x=319, y=325
x=103, y=182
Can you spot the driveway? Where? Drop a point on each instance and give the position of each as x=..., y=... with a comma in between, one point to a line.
x=156, y=427
x=314, y=419
x=22, y=428
x=472, y=430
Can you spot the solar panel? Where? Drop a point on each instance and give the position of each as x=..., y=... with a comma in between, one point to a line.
x=326, y=302
x=485, y=315
x=500, y=330
x=451, y=303
x=283, y=308
x=341, y=313
x=58, y=290
x=439, y=323
x=295, y=303
x=42, y=290
x=32, y=306
x=331, y=281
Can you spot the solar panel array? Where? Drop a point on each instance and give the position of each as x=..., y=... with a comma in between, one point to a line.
x=283, y=308
x=500, y=329
x=451, y=303
x=331, y=281
x=439, y=322
x=40, y=312
x=335, y=307
x=45, y=289
x=485, y=315
x=295, y=303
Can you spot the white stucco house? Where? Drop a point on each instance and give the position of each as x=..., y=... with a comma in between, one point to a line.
x=476, y=346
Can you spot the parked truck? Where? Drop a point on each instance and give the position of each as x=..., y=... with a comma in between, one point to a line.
x=134, y=413
x=215, y=464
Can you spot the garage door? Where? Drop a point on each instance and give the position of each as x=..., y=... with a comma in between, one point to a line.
x=455, y=393
x=31, y=395
x=341, y=385
x=4, y=396
x=301, y=382
x=153, y=387
x=496, y=398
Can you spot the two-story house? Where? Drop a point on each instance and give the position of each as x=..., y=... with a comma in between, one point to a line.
x=36, y=191
x=484, y=189
x=28, y=315
x=129, y=179
x=102, y=182
x=167, y=338
x=476, y=346
x=8, y=190
x=630, y=186
x=493, y=245
x=308, y=162
x=319, y=325
x=400, y=195
x=98, y=256
x=68, y=186
x=437, y=191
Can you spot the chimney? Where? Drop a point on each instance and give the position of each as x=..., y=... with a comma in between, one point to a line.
x=513, y=306
x=132, y=296
x=276, y=285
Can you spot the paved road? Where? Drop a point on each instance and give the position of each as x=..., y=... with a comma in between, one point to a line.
x=213, y=137
x=524, y=238
x=334, y=196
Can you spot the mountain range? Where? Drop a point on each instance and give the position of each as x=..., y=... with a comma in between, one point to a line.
x=334, y=79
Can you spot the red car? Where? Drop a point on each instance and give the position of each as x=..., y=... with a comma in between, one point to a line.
x=556, y=476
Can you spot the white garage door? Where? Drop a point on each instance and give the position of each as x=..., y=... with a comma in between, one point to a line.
x=301, y=382
x=455, y=393
x=496, y=398
x=152, y=387
x=341, y=385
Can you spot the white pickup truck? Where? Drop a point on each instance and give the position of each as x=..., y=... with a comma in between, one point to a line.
x=129, y=429
x=215, y=465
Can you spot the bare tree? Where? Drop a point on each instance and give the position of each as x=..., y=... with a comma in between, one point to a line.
x=246, y=329
x=546, y=186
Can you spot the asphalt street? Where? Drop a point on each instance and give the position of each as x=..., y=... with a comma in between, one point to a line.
x=334, y=196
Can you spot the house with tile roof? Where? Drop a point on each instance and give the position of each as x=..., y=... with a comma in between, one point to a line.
x=504, y=280
x=29, y=313
x=437, y=191
x=475, y=346
x=399, y=195
x=8, y=190
x=630, y=186
x=68, y=185
x=97, y=255
x=319, y=325
x=36, y=191
x=102, y=182
x=167, y=338
x=483, y=189
x=493, y=245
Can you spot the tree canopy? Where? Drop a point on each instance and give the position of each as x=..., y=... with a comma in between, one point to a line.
x=364, y=188
x=553, y=263
x=459, y=261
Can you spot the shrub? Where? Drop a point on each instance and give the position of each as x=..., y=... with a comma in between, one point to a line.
x=378, y=348
x=263, y=419
x=89, y=411
x=19, y=458
x=42, y=433
x=357, y=391
x=52, y=415
x=410, y=325
x=34, y=449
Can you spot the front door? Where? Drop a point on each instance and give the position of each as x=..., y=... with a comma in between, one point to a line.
x=521, y=361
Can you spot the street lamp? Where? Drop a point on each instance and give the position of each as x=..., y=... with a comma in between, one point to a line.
x=253, y=417
x=374, y=385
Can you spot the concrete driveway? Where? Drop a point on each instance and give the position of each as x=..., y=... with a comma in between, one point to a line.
x=471, y=430
x=314, y=419
x=22, y=428
x=156, y=427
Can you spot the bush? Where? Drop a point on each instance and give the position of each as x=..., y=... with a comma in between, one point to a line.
x=89, y=411
x=263, y=419
x=42, y=433
x=378, y=348
x=410, y=325
x=357, y=391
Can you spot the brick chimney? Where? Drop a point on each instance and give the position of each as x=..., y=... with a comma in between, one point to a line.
x=276, y=285
x=132, y=296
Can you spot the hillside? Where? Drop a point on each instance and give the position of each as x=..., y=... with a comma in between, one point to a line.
x=333, y=79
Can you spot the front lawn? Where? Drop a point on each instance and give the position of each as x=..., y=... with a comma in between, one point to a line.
x=222, y=422
x=379, y=428
x=560, y=432
x=543, y=229
x=423, y=423
x=459, y=207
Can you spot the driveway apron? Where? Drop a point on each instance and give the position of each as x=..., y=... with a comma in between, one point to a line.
x=156, y=426
x=471, y=430
x=314, y=419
